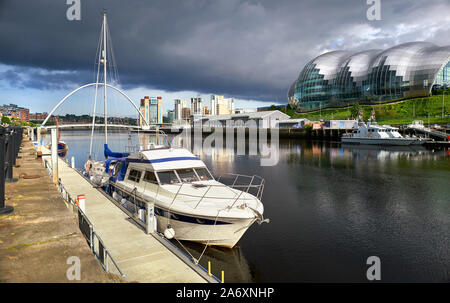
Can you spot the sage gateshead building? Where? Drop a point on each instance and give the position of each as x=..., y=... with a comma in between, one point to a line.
x=338, y=78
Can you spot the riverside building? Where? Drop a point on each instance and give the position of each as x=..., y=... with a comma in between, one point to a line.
x=338, y=78
x=266, y=119
x=152, y=109
x=221, y=106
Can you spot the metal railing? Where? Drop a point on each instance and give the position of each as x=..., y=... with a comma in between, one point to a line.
x=255, y=183
x=95, y=242
x=48, y=167
x=429, y=131
x=135, y=207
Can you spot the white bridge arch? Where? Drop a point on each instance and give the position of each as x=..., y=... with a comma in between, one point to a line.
x=87, y=85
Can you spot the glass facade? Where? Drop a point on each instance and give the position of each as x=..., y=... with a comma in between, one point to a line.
x=340, y=77
x=443, y=77
x=153, y=111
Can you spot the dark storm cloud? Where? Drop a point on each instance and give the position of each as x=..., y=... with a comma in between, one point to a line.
x=246, y=49
x=23, y=77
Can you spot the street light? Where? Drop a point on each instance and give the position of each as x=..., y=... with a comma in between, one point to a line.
x=443, y=93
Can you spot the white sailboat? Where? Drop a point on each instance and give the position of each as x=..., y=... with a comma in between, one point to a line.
x=189, y=203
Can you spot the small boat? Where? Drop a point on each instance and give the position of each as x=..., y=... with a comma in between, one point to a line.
x=187, y=199
x=62, y=148
x=416, y=124
x=374, y=134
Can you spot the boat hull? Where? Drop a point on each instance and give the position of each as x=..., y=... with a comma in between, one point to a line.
x=376, y=141
x=226, y=235
x=211, y=230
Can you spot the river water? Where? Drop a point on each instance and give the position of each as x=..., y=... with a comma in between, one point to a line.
x=331, y=206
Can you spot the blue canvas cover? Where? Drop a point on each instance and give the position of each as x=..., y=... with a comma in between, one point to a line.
x=108, y=153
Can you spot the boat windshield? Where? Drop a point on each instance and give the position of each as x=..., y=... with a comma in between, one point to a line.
x=187, y=175
x=168, y=177
x=203, y=174
x=150, y=177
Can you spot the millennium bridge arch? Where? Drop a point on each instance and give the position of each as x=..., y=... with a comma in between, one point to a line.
x=88, y=85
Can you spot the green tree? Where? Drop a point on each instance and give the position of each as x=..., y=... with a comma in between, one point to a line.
x=308, y=127
x=6, y=120
x=354, y=111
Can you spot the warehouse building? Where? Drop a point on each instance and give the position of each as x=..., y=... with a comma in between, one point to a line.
x=266, y=119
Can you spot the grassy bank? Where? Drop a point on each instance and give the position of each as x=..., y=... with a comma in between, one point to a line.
x=428, y=109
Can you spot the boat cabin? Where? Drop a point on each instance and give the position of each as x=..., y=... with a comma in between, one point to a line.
x=157, y=168
x=376, y=131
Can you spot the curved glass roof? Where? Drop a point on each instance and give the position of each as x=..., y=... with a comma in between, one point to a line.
x=340, y=77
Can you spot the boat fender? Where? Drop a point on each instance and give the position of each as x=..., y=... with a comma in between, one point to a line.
x=88, y=166
x=116, y=196
x=155, y=224
x=169, y=233
x=123, y=201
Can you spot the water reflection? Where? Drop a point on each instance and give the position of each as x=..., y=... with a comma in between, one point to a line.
x=231, y=261
x=331, y=206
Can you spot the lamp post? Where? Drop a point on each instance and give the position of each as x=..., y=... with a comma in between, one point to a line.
x=443, y=106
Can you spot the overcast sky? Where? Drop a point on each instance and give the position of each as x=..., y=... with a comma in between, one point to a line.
x=249, y=50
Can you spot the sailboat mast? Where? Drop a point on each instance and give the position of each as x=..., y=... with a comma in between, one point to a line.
x=95, y=100
x=104, y=78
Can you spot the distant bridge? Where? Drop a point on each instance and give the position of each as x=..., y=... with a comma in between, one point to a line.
x=89, y=125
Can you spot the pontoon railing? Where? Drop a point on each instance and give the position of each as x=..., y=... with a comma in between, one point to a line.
x=87, y=229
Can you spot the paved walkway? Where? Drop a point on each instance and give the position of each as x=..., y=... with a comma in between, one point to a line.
x=141, y=257
x=42, y=233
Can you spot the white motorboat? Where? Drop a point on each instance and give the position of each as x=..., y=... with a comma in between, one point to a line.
x=416, y=124
x=187, y=199
x=372, y=133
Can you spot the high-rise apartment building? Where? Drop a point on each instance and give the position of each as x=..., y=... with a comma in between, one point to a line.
x=152, y=110
x=196, y=106
x=221, y=106
x=170, y=116
x=213, y=104
x=159, y=110
x=185, y=113
x=177, y=109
